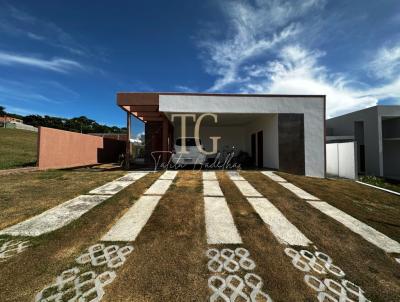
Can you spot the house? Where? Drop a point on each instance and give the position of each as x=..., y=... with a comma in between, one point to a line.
x=9, y=119
x=377, y=133
x=283, y=132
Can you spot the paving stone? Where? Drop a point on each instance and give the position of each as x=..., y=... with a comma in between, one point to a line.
x=128, y=227
x=220, y=226
x=211, y=188
x=56, y=217
x=278, y=224
x=368, y=233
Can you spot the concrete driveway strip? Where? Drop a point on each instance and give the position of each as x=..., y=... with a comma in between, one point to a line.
x=368, y=233
x=212, y=188
x=209, y=175
x=297, y=191
x=273, y=176
x=283, y=230
x=56, y=217
x=119, y=184
x=159, y=187
x=246, y=189
x=128, y=227
x=220, y=226
x=170, y=174
x=291, y=187
x=365, y=231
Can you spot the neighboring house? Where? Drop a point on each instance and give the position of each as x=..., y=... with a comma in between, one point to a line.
x=285, y=132
x=377, y=133
x=9, y=119
x=15, y=123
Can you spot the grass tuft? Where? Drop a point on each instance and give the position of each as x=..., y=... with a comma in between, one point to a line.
x=18, y=148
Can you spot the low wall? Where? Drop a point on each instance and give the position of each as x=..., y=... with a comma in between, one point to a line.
x=341, y=160
x=65, y=149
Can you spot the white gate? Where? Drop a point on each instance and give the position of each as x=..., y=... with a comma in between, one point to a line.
x=341, y=160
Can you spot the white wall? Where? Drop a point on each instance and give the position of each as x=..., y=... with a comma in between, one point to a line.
x=269, y=125
x=313, y=109
x=341, y=160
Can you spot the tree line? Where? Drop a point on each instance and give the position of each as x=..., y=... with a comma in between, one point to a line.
x=80, y=124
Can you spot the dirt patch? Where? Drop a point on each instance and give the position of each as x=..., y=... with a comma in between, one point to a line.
x=26, y=274
x=366, y=265
x=25, y=195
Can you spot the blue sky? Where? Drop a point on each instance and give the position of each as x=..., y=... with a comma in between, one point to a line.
x=69, y=58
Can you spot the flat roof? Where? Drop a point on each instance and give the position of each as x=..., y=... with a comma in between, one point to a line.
x=145, y=105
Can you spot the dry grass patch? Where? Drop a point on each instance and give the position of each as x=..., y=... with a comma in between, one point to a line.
x=28, y=194
x=281, y=280
x=376, y=208
x=23, y=276
x=168, y=263
x=365, y=264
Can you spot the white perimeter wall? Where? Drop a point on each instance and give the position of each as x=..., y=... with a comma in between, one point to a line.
x=341, y=160
x=313, y=109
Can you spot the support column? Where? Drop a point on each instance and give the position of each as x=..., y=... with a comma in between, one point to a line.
x=128, y=142
x=165, y=133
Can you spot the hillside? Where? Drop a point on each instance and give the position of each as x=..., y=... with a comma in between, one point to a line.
x=18, y=148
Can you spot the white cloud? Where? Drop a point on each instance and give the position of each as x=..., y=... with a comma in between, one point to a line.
x=386, y=64
x=263, y=54
x=253, y=30
x=55, y=64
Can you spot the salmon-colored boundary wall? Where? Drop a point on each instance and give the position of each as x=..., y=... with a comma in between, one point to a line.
x=65, y=149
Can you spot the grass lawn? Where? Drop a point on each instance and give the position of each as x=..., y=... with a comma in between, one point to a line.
x=27, y=194
x=22, y=277
x=380, y=182
x=376, y=208
x=169, y=261
x=18, y=148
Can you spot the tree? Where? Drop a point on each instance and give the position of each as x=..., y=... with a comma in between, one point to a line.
x=3, y=110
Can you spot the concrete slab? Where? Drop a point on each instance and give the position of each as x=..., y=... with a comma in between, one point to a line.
x=209, y=175
x=119, y=184
x=132, y=176
x=273, y=176
x=246, y=188
x=159, y=187
x=220, y=226
x=234, y=175
x=169, y=175
x=111, y=188
x=281, y=228
x=368, y=233
x=55, y=218
x=297, y=191
x=129, y=225
x=212, y=188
